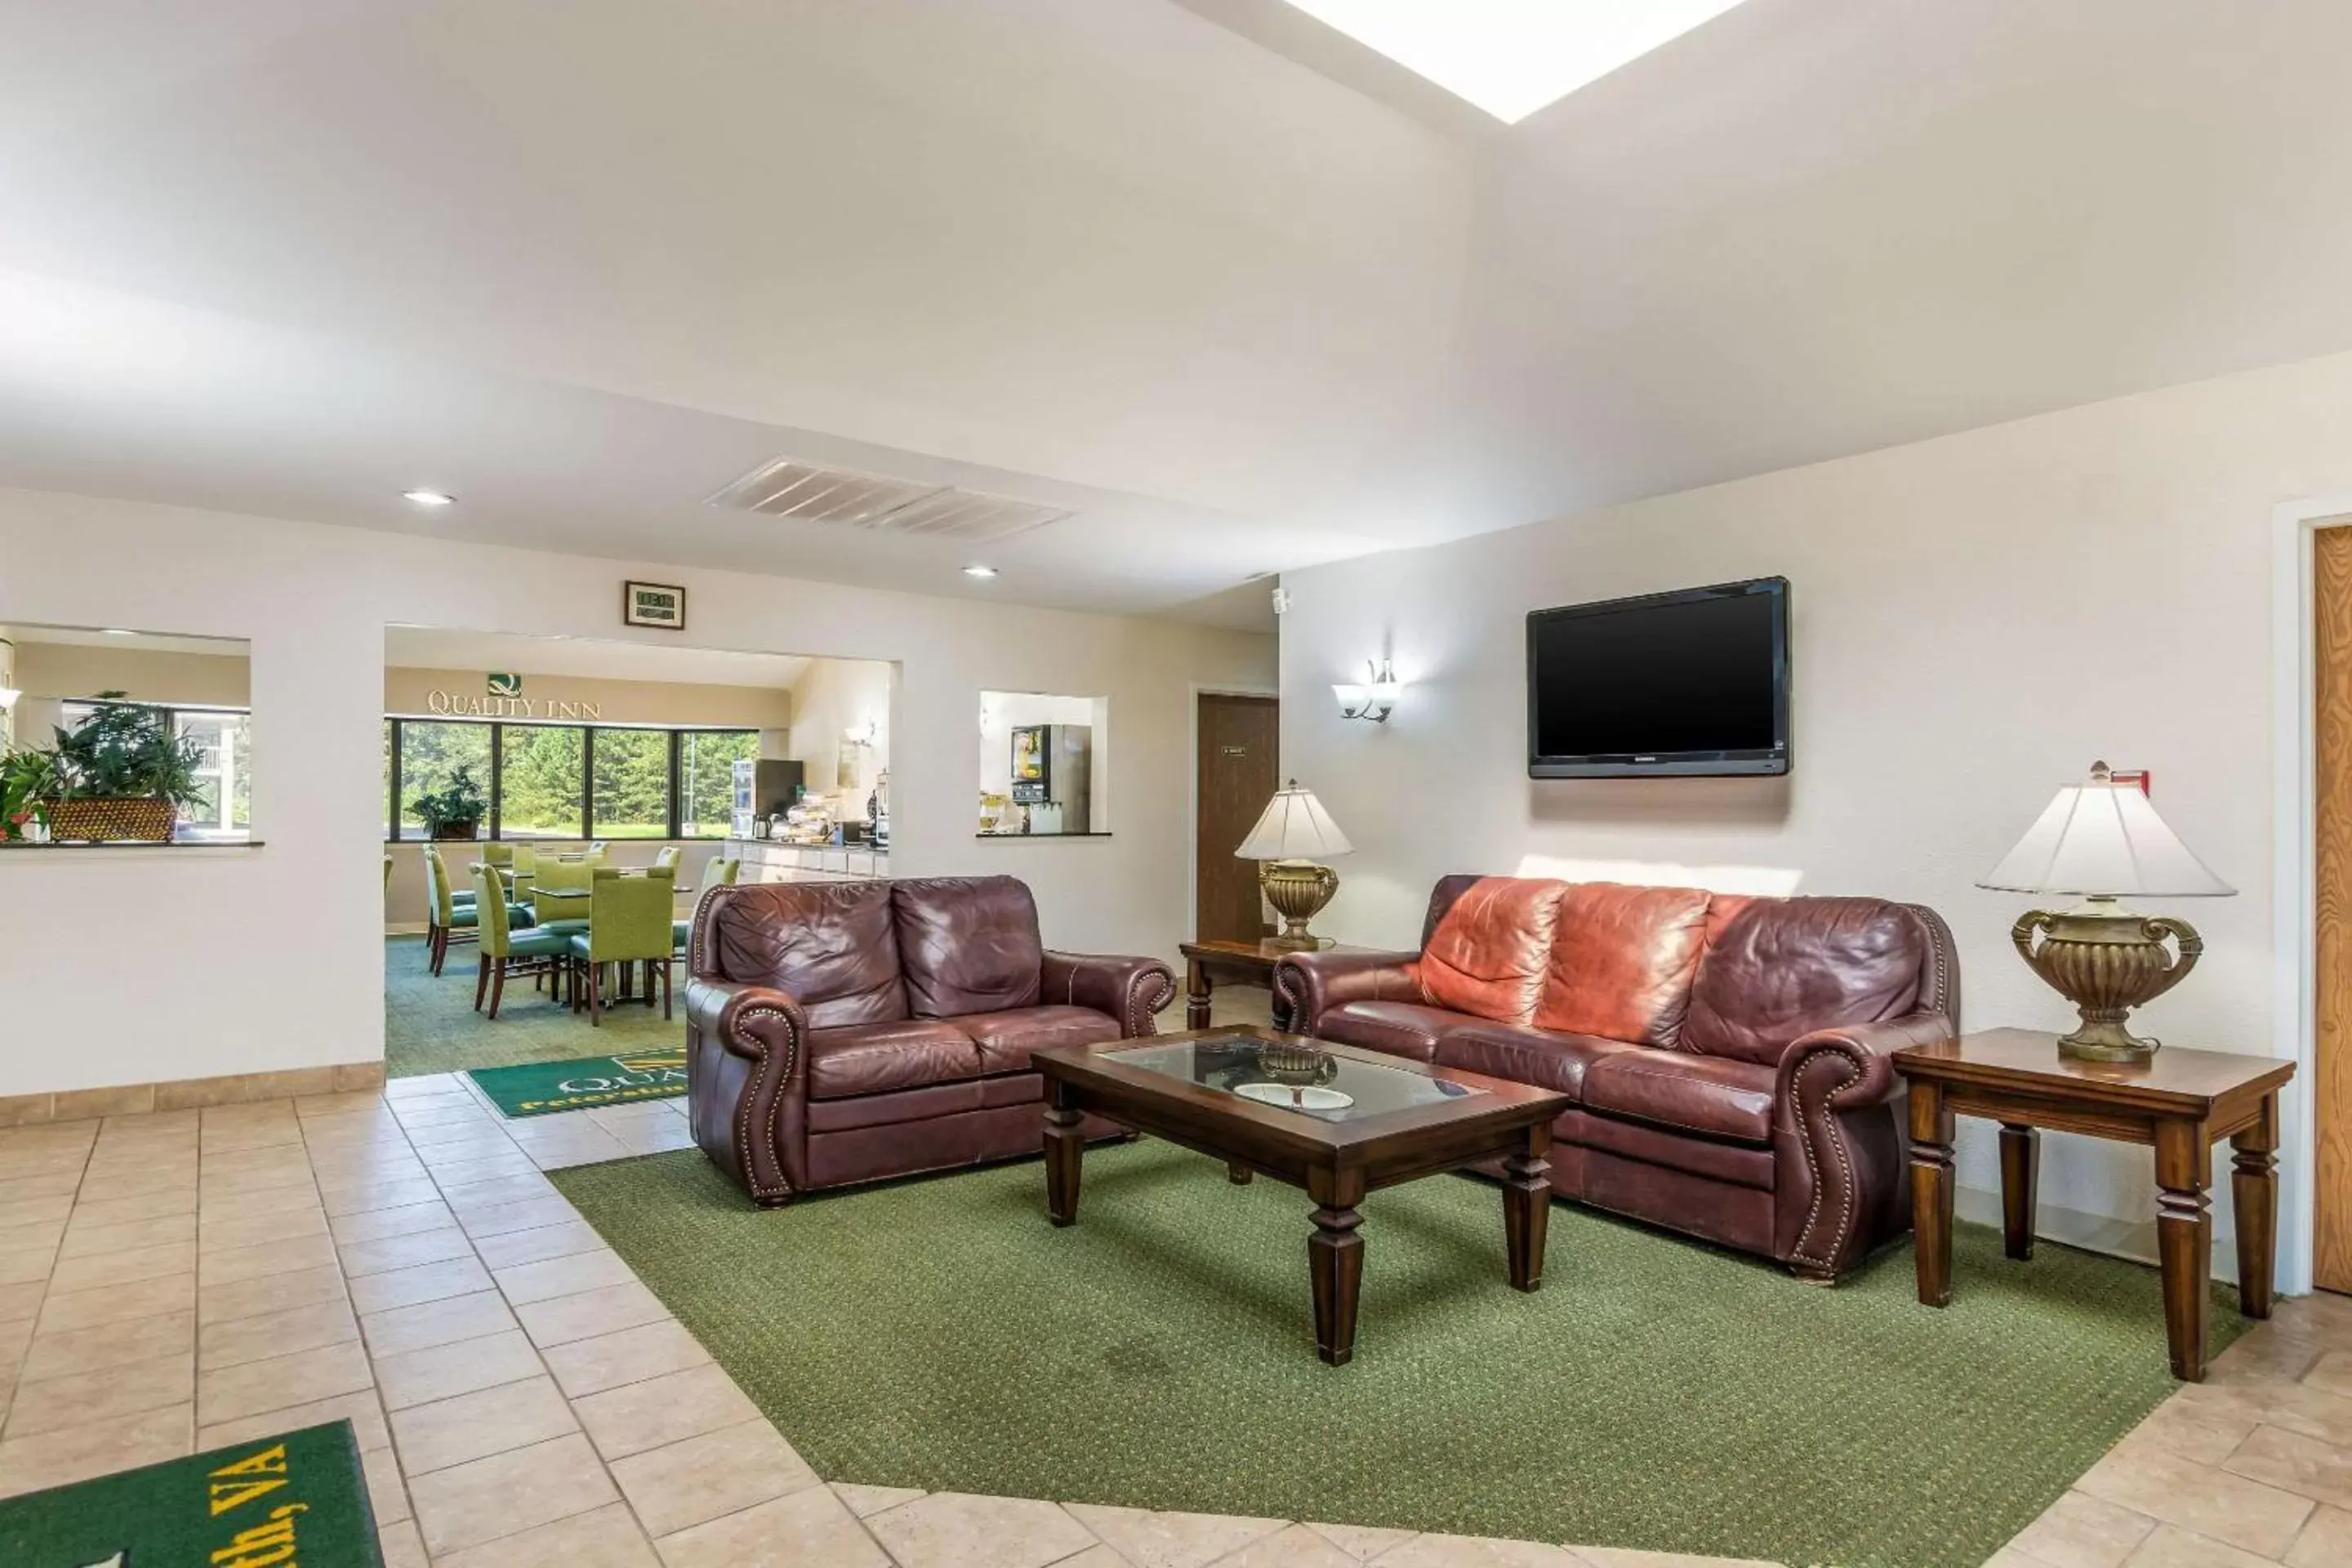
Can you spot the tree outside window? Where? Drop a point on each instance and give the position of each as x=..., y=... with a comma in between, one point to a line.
x=630, y=776
x=542, y=792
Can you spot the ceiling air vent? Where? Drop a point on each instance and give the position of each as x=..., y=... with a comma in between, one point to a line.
x=789, y=488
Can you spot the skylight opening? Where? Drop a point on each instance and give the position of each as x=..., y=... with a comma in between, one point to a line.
x=1511, y=58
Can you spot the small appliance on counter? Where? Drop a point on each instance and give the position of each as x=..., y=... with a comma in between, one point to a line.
x=764, y=788
x=878, y=812
x=1052, y=776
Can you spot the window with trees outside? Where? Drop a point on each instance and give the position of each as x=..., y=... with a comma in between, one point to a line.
x=705, y=779
x=542, y=781
x=629, y=784
x=569, y=780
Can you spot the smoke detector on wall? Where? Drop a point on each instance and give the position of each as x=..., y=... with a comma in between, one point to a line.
x=788, y=487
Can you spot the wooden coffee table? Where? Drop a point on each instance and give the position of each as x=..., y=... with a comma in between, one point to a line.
x=2181, y=1103
x=1406, y=1120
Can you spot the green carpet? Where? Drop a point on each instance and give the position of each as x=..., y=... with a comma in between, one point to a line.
x=1655, y=1393
x=542, y=1088
x=298, y=1498
x=430, y=1025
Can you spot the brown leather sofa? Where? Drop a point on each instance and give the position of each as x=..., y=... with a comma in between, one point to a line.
x=1727, y=1053
x=844, y=1032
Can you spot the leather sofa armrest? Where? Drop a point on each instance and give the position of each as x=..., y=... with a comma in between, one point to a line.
x=1311, y=984
x=756, y=1022
x=1841, y=1174
x=1846, y=1068
x=1129, y=989
x=747, y=1098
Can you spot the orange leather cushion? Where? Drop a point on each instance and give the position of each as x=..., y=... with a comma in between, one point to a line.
x=1487, y=957
x=1622, y=961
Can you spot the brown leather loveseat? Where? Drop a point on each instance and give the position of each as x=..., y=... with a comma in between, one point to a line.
x=1727, y=1053
x=844, y=1032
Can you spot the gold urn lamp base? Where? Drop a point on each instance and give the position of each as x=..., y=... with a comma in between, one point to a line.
x=1293, y=1060
x=2107, y=960
x=1298, y=890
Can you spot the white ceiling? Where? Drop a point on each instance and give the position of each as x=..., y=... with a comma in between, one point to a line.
x=1243, y=295
x=434, y=647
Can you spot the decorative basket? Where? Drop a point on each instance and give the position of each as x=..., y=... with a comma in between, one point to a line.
x=139, y=821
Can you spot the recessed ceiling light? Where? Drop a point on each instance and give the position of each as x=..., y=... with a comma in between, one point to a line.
x=977, y=571
x=1511, y=58
x=428, y=498
x=117, y=632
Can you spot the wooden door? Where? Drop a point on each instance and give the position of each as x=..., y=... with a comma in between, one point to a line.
x=2331, y=1264
x=1237, y=777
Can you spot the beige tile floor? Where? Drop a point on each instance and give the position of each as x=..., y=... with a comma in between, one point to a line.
x=177, y=1281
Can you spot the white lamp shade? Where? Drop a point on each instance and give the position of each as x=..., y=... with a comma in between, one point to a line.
x=1294, y=826
x=2104, y=839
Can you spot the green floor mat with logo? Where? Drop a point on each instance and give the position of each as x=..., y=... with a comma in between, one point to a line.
x=541, y=1088
x=298, y=1498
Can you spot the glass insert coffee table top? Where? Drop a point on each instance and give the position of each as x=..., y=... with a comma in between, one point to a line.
x=1230, y=1063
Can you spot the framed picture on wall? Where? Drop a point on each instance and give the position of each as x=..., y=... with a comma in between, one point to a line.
x=659, y=605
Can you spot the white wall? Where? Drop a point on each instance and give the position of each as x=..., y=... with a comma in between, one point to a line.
x=125, y=967
x=831, y=697
x=1975, y=619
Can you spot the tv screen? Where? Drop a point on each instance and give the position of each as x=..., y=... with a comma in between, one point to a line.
x=1689, y=682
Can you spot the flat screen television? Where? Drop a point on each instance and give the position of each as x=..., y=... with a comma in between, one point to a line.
x=1690, y=682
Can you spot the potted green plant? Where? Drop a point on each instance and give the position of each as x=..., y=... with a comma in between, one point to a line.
x=121, y=773
x=455, y=812
x=26, y=777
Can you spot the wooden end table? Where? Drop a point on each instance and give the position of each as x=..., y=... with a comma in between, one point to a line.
x=2181, y=1103
x=1408, y=1119
x=1242, y=963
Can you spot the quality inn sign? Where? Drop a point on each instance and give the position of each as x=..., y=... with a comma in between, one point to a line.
x=504, y=700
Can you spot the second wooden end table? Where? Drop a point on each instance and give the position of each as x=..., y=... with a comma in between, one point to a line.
x=1249, y=962
x=2181, y=1103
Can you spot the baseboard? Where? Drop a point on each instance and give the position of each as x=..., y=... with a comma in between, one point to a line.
x=2134, y=1240
x=187, y=1094
x=405, y=928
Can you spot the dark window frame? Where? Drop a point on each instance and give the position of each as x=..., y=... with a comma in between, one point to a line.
x=676, y=734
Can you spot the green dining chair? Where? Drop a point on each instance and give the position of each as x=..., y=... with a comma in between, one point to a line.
x=721, y=871
x=446, y=918
x=503, y=947
x=665, y=856
x=566, y=915
x=501, y=857
x=629, y=922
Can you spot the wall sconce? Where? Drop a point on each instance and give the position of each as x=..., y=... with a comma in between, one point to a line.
x=1372, y=700
x=8, y=694
x=861, y=734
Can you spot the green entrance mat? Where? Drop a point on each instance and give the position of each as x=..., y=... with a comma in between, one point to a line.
x=540, y=1089
x=289, y=1499
x=1160, y=1353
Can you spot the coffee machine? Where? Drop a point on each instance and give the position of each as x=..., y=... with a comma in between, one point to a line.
x=1053, y=776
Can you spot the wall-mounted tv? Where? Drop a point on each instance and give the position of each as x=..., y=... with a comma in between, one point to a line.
x=1690, y=682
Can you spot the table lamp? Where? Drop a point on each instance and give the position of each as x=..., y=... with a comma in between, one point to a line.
x=2103, y=840
x=1292, y=834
